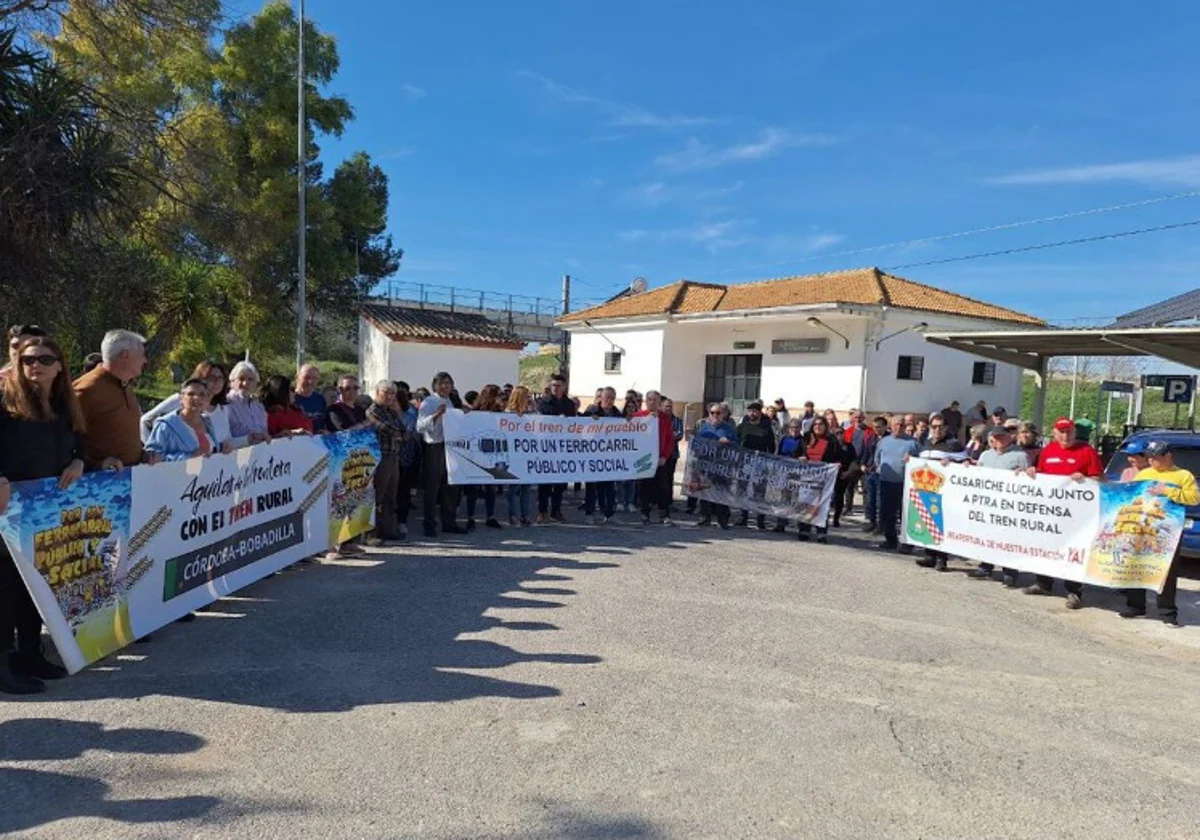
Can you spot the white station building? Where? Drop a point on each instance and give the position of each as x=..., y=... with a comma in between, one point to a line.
x=410, y=344
x=846, y=339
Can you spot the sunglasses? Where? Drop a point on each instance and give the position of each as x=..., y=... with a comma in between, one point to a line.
x=43, y=360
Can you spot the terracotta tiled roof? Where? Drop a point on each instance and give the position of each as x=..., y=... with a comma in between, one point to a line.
x=862, y=286
x=435, y=326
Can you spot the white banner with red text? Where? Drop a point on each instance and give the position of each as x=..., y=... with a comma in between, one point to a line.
x=487, y=447
x=119, y=554
x=1117, y=535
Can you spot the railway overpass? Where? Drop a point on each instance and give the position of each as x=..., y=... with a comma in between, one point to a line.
x=528, y=317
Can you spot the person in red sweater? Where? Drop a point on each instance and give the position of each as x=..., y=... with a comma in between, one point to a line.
x=656, y=491
x=1065, y=455
x=284, y=419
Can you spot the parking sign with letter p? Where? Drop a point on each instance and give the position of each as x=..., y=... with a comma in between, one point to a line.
x=1178, y=389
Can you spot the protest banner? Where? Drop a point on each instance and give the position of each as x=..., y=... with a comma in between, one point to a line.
x=353, y=457
x=1114, y=534
x=487, y=447
x=119, y=554
x=755, y=481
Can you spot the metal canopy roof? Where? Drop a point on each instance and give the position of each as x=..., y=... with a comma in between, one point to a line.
x=1184, y=307
x=1031, y=348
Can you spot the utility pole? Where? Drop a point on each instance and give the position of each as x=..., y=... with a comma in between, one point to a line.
x=563, y=367
x=302, y=179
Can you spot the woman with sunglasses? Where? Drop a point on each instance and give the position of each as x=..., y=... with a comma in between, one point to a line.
x=188, y=431
x=41, y=436
x=717, y=427
x=823, y=447
x=791, y=445
x=213, y=375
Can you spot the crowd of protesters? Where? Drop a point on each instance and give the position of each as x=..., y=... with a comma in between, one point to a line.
x=51, y=426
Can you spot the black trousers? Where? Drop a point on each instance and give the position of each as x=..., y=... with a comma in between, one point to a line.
x=387, y=480
x=550, y=498
x=20, y=623
x=437, y=491
x=1047, y=582
x=602, y=494
x=838, y=503
x=891, y=498
x=1136, y=598
x=656, y=491
x=408, y=478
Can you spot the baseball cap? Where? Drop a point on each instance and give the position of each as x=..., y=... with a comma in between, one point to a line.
x=1156, y=448
x=999, y=410
x=1134, y=447
x=1063, y=424
x=999, y=430
x=756, y=404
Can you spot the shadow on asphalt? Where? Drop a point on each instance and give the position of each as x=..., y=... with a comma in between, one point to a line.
x=563, y=823
x=36, y=797
x=42, y=739
x=389, y=629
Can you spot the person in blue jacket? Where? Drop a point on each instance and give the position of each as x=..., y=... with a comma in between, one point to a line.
x=718, y=427
x=186, y=432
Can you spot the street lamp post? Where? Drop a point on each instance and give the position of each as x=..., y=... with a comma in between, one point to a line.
x=302, y=178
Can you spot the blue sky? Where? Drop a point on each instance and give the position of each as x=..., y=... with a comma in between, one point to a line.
x=729, y=143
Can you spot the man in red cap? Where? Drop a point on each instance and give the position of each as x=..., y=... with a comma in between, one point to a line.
x=1065, y=455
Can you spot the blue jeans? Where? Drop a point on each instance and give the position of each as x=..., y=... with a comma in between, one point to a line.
x=872, y=500
x=891, y=498
x=627, y=492
x=520, y=501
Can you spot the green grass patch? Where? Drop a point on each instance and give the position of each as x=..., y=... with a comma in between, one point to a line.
x=1058, y=404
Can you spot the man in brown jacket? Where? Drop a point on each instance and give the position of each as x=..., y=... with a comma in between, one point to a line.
x=113, y=439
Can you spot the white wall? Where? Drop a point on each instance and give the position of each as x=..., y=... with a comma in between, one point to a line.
x=641, y=366
x=831, y=379
x=416, y=363
x=471, y=367
x=373, y=348
x=947, y=374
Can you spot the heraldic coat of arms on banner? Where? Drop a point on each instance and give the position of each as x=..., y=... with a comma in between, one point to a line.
x=925, y=509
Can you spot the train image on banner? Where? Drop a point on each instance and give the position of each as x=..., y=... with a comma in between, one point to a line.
x=489, y=452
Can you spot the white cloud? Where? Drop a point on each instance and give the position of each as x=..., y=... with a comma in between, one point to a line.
x=1175, y=172
x=412, y=92
x=820, y=241
x=656, y=193
x=699, y=155
x=651, y=195
x=711, y=235
x=620, y=114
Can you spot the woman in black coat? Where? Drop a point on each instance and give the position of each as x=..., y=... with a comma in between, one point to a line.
x=823, y=447
x=41, y=436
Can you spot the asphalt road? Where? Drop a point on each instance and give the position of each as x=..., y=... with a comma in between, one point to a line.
x=581, y=682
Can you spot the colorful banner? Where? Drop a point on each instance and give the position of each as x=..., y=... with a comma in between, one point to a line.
x=120, y=554
x=353, y=457
x=487, y=447
x=1114, y=534
x=754, y=481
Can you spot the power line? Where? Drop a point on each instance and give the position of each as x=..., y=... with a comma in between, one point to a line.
x=923, y=240
x=1045, y=245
